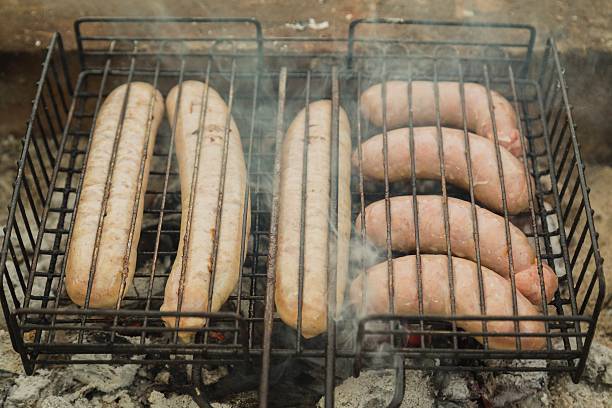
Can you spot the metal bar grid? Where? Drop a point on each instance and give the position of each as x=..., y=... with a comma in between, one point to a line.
x=263, y=101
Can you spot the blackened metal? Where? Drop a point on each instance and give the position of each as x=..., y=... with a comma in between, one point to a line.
x=599, y=276
x=162, y=205
x=221, y=192
x=192, y=189
x=550, y=150
x=415, y=201
x=502, y=183
x=532, y=213
x=400, y=382
x=139, y=193
x=385, y=152
x=107, y=186
x=444, y=199
x=273, y=246
x=474, y=214
x=332, y=257
x=303, y=204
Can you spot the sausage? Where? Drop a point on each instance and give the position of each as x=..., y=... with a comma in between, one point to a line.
x=114, y=269
x=316, y=221
x=485, y=174
x=437, y=300
x=432, y=238
x=210, y=120
x=477, y=111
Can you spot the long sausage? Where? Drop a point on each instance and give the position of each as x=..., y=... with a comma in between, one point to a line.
x=437, y=300
x=203, y=113
x=114, y=268
x=485, y=173
x=316, y=220
x=491, y=231
x=478, y=115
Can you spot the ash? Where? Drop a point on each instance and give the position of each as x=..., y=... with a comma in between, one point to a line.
x=139, y=385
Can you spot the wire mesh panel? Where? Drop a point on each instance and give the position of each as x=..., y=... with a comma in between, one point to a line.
x=265, y=83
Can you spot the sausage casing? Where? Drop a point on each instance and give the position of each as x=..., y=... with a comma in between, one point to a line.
x=203, y=110
x=115, y=267
x=316, y=234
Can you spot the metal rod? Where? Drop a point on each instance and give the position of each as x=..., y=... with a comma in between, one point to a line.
x=192, y=188
x=332, y=257
x=270, y=282
x=303, y=205
x=444, y=199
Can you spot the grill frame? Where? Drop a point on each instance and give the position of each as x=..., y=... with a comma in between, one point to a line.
x=557, y=129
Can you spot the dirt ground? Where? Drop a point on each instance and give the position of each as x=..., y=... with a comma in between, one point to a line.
x=582, y=29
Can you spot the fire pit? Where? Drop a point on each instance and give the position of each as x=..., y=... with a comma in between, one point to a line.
x=265, y=82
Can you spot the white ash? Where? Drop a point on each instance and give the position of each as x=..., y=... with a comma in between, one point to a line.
x=163, y=377
x=455, y=389
x=505, y=389
x=27, y=389
x=103, y=377
x=159, y=400
x=595, y=387
x=74, y=384
x=598, y=369
x=10, y=361
x=374, y=388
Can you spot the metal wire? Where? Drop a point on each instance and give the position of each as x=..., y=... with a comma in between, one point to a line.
x=58, y=141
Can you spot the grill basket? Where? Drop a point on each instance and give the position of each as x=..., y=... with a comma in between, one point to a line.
x=266, y=81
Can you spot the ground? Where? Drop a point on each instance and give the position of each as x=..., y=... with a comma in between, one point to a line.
x=580, y=27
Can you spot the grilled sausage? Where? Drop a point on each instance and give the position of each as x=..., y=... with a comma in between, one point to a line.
x=437, y=300
x=478, y=115
x=491, y=230
x=316, y=221
x=203, y=113
x=485, y=173
x=114, y=268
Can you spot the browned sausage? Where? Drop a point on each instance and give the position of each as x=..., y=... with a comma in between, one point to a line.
x=424, y=109
x=492, y=238
x=485, y=173
x=437, y=299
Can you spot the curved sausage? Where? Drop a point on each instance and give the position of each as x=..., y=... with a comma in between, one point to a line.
x=114, y=268
x=492, y=238
x=485, y=174
x=316, y=235
x=478, y=115
x=199, y=254
x=437, y=300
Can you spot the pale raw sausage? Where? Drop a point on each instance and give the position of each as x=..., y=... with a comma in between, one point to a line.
x=115, y=267
x=203, y=113
x=316, y=235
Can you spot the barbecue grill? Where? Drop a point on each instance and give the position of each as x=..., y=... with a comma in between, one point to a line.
x=265, y=82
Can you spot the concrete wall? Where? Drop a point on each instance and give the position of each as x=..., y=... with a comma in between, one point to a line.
x=28, y=24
